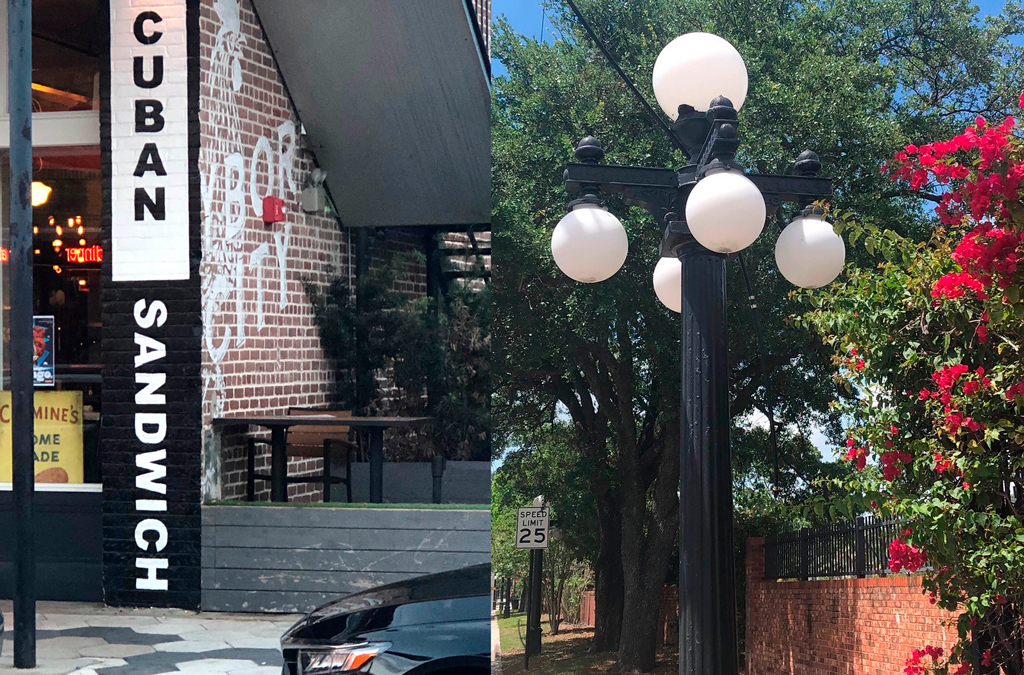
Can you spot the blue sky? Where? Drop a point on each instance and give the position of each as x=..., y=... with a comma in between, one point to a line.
x=528, y=18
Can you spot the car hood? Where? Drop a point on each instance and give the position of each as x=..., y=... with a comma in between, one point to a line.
x=350, y=613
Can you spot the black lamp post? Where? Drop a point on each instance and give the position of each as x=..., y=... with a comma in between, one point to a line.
x=726, y=215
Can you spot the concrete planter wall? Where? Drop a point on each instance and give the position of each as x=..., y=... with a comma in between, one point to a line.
x=291, y=559
x=413, y=483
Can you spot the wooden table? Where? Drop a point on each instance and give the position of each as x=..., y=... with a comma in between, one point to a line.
x=279, y=424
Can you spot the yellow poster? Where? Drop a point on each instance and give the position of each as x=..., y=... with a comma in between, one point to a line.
x=58, y=437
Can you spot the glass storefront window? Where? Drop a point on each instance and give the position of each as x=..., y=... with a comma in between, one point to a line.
x=67, y=37
x=66, y=279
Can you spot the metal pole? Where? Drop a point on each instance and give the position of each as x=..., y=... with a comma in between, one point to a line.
x=437, y=465
x=529, y=611
x=376, y=457
x=707, y=616
x=536, y=600
x=19, y=96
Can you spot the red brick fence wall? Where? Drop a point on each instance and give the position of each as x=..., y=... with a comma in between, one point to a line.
x=837, y=626
x=668, y=616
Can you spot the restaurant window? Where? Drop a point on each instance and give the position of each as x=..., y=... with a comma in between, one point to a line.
x=66, y=277
x=67, y=37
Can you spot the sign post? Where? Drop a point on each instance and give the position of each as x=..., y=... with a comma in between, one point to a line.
x=19, y=95
x=532, y=534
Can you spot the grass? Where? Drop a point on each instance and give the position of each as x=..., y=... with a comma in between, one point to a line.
x=346, y=505
x=564, y=654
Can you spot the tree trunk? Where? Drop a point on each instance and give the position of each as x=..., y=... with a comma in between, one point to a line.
x=508, y=599
x=638, y=645
x=608, y=590
x=650, y=523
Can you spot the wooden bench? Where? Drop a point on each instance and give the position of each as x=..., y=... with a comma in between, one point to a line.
x=311, y=441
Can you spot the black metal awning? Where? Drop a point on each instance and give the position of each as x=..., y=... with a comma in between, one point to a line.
x=394, y=98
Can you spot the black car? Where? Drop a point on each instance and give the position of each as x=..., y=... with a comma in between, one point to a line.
x=438, y=625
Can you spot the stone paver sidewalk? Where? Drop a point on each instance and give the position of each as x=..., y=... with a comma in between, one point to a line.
x=90, y=639
x=495, y=647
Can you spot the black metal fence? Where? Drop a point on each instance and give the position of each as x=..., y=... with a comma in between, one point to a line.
x=852, y=549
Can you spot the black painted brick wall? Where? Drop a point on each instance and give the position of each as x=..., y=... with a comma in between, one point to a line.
x=182, y=336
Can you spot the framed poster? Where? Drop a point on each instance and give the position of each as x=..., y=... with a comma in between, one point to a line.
x=42, y=343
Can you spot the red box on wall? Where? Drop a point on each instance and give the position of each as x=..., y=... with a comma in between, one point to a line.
x=273, y=209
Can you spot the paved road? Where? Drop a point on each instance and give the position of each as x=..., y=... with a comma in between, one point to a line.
x=90, y=639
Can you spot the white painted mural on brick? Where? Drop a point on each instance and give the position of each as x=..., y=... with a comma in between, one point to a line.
x=239, y=251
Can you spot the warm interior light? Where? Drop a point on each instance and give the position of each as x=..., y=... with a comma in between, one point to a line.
x=57, y=243
x=71, y=222
x=51, y=220
x=81, y=242
x=81, y=230
x=37, y=251
x=35, y=230
x=81, y=282
x=57, y=269
x=40, y=193
x=78, y=220
x=60, y=230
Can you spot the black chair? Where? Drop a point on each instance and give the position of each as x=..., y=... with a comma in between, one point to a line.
x=314, y=442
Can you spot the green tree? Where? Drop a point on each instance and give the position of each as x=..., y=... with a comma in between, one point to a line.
x=437, y=350
x=848, y=79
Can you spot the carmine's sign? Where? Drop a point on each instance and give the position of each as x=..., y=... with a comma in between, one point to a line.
x=149, y=141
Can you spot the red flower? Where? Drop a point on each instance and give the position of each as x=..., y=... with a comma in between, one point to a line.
x=902, y=556
x=859, y=365
x=857, y=455
x=986, y=657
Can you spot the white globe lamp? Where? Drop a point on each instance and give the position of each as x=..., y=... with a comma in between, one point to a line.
x=725, y=211
x=668, y=284
x=809, y=253
x=589, y=244
x=695, y=68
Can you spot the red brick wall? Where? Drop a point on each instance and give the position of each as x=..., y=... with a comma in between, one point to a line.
x=668, y=615
x=837, y=626
x=261, y=348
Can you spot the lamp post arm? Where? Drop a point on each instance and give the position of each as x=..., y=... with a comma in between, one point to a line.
x=800, y=189
x=651, y=188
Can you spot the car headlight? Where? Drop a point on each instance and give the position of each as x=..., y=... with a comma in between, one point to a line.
x=336, y=660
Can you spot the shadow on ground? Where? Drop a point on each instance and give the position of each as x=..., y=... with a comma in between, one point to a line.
x=568, y=653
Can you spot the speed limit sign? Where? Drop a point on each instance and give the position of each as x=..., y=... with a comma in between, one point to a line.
x=532, y=528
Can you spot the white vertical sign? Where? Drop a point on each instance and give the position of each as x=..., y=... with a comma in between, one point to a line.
x=149, y=140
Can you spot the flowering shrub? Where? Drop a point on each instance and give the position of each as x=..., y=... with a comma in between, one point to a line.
x=929, y=344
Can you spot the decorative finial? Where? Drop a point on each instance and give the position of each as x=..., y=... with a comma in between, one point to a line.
x=721, y=109
x=589, y=150
x=807, y=163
